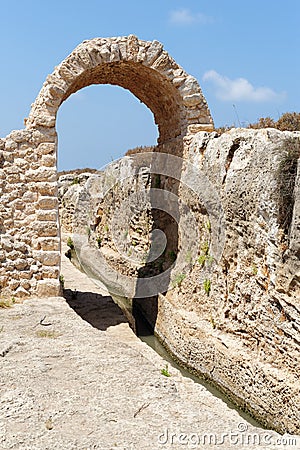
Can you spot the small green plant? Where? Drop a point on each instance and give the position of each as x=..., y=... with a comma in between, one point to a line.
x=178, y=279
x=205, y=248
x=7, y=303
x=205, y=257
x=208, y=226
x=254, y=269
x=62, y=280
x=75, y=181
x=106, y=228
x=207, y=286
x=70, y=243
x=88, y=231
x=202, y=259
x=99, y=241
x=47, y=334
x=213, y=323
x=165, y=371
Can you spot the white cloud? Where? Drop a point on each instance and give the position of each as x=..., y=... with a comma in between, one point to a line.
x=184, y=16
x=240, y=89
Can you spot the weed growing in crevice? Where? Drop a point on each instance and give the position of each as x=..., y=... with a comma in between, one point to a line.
x=178, y=279
x=75, y=181
x=205, y=257
x=7, y=303
x=207, y=286
x=70, y=243
x=213, y=323
x=62, y=281
x=254, y=269
x=165, y=371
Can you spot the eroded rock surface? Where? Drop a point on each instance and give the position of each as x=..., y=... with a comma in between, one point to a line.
x=74, y=376
x=232, y=308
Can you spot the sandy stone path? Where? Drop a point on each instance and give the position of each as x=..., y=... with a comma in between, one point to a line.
x=74, y=376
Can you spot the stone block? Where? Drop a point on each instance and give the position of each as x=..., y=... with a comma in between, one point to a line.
x=51, y=244
x=25, y=284
x=48, y=203
x=14, y=284
x=50, y=272
x=153, y=52
x=4, y=279
x=46, y=229
x=192, y=100
x=42, y=174
x=48, y=288
x=46, y=215
x=114, y=53
x=48, y=161
x=46, y=148
x=190, y=86
x=47, y=189
x=45, y=120
x=20, y=264
x=22, y=293
x=47, y=258
x=196, y=127
x=10, y=145
x=30, y=197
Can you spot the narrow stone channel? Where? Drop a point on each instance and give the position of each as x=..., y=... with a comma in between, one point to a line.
x=146, y=335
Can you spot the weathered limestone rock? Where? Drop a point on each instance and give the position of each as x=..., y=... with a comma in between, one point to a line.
x=234, y=314
x=243, y=332
x=86, y=381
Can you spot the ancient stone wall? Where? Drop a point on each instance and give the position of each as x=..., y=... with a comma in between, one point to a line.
x=30, y=247
x=29, y=251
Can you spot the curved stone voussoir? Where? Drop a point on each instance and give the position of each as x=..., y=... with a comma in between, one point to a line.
x=118, y=61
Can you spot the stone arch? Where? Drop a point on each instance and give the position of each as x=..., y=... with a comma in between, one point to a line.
x=144, y=68
x=29, y=226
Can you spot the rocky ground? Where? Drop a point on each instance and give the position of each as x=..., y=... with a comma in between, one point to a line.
x=74, y=376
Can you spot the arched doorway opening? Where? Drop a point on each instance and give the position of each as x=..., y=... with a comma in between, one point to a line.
x=150, y=74
x=99, y=124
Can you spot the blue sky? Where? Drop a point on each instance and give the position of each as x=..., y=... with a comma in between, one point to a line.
x=245, y=56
